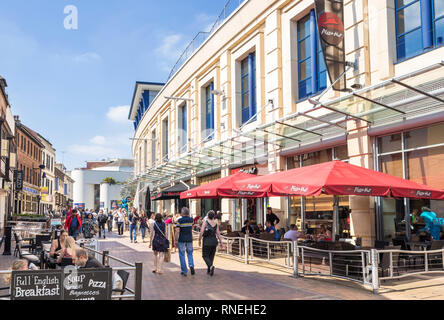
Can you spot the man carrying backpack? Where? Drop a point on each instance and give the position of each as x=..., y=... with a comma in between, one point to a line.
x=101, y=219
x=133, y=218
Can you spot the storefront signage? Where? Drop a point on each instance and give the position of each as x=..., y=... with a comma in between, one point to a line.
x=30, y=190
x=88, y=284
x=18, y=180
x=37, y=285
x=68, y=284
x=79, y=205
x=44, y=190
x=330, y=19
x=254, y=186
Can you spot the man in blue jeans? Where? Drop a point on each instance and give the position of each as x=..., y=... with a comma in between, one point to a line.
x=185, y=241
x=133, y=217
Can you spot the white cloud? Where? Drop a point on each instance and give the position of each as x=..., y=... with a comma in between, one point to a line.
x=88, y=57
x=118, y=114
x=93, y=150
x=99, y=140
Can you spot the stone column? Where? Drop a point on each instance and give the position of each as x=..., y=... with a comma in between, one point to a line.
x=362, y=218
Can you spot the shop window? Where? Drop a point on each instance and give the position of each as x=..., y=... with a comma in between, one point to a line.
x=248, y=87
x=392, y=164
x=426, y=166
x=312, y=72
x=424, y=137
x=390, y=143
x=165, y=135
x=153, y=148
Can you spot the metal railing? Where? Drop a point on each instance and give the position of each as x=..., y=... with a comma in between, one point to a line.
x=396, y=264
x=279, y=253
x=354, y=265
x=201, y=37
x=136, y=293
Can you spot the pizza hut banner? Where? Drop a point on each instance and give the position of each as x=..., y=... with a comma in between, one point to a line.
x=330, y=20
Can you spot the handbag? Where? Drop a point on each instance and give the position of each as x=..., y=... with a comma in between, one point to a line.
x=167, y=256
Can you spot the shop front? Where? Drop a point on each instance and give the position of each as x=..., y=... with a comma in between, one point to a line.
x=416, y=155
x=170, y=197
x=251, y=209
x=309, y=213
x=27, y=201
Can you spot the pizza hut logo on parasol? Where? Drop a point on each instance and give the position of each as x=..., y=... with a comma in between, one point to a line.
x=421, y=193
x=331, y=28
x=206, y=192
x=254, y=186
x=189, y=194
x=245, y=193
x=299, y=189
x=360, y=190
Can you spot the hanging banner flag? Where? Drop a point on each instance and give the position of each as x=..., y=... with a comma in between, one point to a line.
x=330, y=20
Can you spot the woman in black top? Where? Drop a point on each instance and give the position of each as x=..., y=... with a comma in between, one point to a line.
x=58, y=245
x=160, y=243
x=210, y=233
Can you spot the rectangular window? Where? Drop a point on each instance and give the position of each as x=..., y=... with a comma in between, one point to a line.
x=419, y=26
x=153, y=148
x=165, y=140
x=312, y=70
x=183, y=143
x=56, y=184
x=248, y=87
x=438, y=22
x=209, y=111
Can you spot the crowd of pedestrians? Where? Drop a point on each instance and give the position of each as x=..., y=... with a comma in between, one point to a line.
x=151, y=228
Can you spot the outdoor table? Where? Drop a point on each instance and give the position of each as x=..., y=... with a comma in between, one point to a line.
x=414, y=245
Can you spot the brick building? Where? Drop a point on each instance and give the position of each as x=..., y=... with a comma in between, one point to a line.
x=29, y=159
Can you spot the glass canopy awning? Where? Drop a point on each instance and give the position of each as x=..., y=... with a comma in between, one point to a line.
x=418, y=93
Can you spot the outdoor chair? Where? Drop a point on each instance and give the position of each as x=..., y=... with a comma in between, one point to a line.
x=435, y=259
x=27, y=255
x=19, y=242
x=39, y=239
x=385, y=261
x=124, y=275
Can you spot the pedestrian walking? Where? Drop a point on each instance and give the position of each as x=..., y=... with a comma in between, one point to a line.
x=151, y=227
x=90, y=228
x=143, y=224
x=185, y=241
x=120, y=215
x=160, y=243
x=110, y=221
x=210, y=233
x=133, y=218
x=102, y=218
x=126, y=221
x=73, y=224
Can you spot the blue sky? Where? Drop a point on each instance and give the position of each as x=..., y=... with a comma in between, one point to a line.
x=74, y=86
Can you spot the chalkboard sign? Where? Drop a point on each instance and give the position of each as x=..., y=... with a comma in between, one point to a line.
x=37, y=285
x=88, y=284
x=67, y=284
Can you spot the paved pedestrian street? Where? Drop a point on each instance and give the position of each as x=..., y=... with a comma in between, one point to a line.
x=236, y=281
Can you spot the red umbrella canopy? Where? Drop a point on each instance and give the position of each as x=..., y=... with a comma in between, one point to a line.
x=337, y=178
x=221, y=188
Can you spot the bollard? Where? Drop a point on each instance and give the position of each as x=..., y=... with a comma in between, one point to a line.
x=7, y=241
x=246, y=249
x=375, y=278
x=138, y=280
x=105, y=258
x=295, y=259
